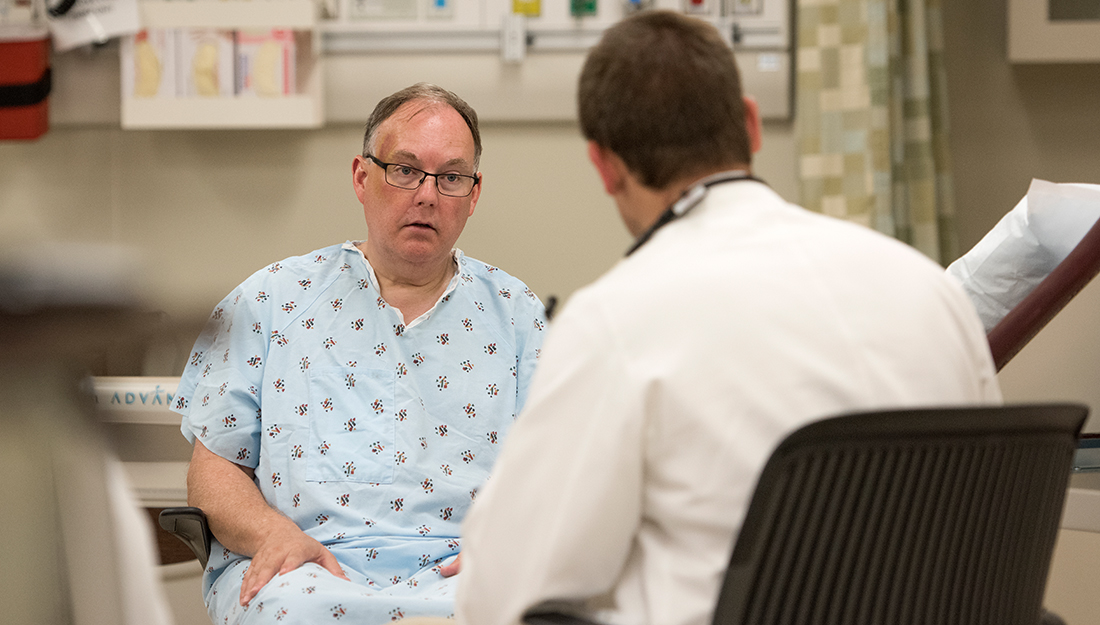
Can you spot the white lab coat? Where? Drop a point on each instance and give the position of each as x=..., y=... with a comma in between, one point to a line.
x=664, y=386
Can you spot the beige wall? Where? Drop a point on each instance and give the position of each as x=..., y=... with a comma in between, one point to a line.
x=205, y=209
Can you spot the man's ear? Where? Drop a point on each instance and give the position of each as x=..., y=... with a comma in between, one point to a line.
x=476, y=193
x=610, y=167
x=753, y=124
x=359, y=177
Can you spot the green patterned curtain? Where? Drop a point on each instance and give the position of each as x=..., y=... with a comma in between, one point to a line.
x=871, y=118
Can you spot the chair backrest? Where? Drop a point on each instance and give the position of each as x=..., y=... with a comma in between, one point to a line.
x=1047, y=299
x=931, y=516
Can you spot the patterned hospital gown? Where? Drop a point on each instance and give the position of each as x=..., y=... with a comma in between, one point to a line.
x=372, y=436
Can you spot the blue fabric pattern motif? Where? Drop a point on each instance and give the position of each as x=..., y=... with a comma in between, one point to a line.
x=371, y=435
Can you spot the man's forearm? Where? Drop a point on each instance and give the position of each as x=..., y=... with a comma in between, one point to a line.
x=240, y=518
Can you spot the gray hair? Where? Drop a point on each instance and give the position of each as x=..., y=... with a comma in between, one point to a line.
x=428, y=93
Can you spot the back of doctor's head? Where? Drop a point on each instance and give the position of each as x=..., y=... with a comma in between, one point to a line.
x=429, y=94
x=661, y=90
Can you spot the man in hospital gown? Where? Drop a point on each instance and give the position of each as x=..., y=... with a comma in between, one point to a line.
x=346, y=405
x=664, y=386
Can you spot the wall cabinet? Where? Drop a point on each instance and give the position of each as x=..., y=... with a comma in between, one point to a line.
x=302, y=109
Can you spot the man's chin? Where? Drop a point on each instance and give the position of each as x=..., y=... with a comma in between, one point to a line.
x=424, y=249
x=424, y=239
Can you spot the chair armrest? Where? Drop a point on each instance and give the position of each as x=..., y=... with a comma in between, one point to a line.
x=536, y=617
x=1049, y=618
x=190, y=526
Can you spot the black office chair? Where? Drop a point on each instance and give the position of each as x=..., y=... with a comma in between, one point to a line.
x=935, y=516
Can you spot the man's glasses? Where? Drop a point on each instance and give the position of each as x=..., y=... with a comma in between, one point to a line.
x=405, y=177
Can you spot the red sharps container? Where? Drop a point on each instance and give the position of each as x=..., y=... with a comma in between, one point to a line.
x=24, y=81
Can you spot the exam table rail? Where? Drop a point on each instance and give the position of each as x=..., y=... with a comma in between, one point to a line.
x=1046, y=300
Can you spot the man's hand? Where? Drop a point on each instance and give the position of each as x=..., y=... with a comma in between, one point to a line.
x=282, y=552
x=244, y=523
x=452, y=568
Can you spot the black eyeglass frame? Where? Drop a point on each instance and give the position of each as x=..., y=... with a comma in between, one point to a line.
x=386, y=172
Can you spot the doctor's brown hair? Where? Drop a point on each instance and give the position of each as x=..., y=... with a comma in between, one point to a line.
x=661, y=90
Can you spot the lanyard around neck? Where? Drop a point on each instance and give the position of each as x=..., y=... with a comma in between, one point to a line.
x=689, y=200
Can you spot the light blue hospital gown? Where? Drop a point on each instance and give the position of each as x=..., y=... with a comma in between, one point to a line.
x=372, y=436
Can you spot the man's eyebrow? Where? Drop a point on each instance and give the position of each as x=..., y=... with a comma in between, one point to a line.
x=456, y=161
x=405, y=154
x=412, y=158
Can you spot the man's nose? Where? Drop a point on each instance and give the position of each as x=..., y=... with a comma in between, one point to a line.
x=428, y=191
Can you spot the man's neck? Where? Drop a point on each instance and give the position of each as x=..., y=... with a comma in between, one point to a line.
x=649, y=204
x=412, y=289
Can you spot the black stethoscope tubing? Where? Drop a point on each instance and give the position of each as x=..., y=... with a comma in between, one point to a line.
x=688, y=201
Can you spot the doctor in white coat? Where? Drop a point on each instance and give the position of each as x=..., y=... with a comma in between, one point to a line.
x=664, y=386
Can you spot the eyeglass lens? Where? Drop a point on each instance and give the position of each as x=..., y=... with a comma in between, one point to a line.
x=405, y=177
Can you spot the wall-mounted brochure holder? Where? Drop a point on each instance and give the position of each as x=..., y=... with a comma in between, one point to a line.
x=223, y=64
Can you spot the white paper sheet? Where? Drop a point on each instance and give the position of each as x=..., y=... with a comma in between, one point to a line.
x=1025, y=246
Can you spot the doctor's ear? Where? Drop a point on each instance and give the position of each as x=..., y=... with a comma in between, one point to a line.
x=753, y=125
x=611, y=168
